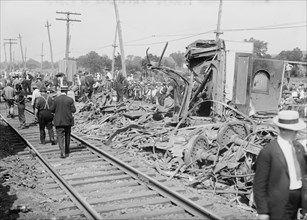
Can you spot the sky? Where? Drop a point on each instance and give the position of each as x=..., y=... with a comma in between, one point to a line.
x=280, y=23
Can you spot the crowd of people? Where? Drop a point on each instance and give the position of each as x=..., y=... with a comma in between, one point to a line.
x=294, y=97
x=52, y=106
x=48, y=94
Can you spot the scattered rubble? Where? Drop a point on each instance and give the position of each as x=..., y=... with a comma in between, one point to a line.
x=216, y=156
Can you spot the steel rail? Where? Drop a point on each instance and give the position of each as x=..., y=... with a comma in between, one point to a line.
x=175, y=197
x=89, y=212
x=182, y=201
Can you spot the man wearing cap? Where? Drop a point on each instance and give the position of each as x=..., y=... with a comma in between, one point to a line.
x=8, y=95
x=21, y=104
x=63, y=107
x=44, y=115
x=280, y=168
x=35, y=94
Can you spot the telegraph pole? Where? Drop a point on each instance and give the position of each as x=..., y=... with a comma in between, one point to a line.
x=67, y=28
x=218, y=31
x=121, y=44
x=23, y=60
x=48, y=25
x=10, y=42
x=114, y=49
x=13, y=58
x=42, y=55
x=25, y=57
x=5, y=55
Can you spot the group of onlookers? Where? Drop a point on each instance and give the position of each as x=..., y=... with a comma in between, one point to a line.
x=50, y=109
x=294, y=97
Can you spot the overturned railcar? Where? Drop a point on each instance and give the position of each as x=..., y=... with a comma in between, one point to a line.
x=227, y=72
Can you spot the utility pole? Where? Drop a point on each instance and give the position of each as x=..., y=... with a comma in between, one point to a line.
x=121, y=44
x=114, y=49
x=5, y=55
x=42, y=55
x=219, y=79
x=25, y=57
x=23, y=60
x=13, y=59
x=10, y=42
x=48, y=25
x=218, y=31
x=67, y=28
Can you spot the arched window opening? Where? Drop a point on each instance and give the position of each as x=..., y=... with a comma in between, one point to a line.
x=261, y=82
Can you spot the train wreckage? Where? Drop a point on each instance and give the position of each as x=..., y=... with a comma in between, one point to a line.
x=219, y=122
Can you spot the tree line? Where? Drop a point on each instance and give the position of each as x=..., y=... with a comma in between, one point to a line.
x=93, y=62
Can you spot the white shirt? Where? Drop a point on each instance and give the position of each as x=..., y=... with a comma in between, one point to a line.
x=36, y=93
x=286, y=148
x=109, y=75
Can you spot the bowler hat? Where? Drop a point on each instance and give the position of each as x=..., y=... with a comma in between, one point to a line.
x=59, y=74
x=64, y=88
x=289, y=119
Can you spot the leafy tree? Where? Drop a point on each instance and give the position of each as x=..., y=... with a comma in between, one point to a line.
x=106, y=62
x=91, y=61
x=293, y=55
x=46, y=65
x=32, y=64
x=178, y=58
x=133, y=63
x=168, y=62
x=260, y=47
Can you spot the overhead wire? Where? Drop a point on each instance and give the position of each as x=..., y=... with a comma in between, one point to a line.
x=267, y=27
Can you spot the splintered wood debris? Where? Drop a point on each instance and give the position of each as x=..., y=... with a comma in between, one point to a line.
x=216, y=156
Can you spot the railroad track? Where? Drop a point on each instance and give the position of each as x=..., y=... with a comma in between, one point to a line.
x=102, y=186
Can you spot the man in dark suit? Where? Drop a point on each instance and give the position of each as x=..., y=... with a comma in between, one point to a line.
x=280, y=168
x=63, y=107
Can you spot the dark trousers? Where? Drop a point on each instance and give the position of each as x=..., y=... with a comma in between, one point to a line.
x=27, y=87
x=120, y=95
x=45, y=118
x=293, y=204
x=21, y=115
x=63, y=135
x=10, y=107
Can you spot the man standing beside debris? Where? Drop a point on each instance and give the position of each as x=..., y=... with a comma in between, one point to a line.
x=89, y=82
x=120, y=84
x=280, y=168
x=63, y=107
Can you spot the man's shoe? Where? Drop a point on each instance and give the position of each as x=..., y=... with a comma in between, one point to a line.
x=43, y=142
x=62, y=156
x=53, y=143
x=8, y=116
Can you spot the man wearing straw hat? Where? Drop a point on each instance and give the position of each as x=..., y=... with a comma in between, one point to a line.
x=280, y=168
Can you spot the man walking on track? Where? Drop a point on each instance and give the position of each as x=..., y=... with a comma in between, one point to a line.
x=44, y=115
x=63, y=107
x=21, y=103
x=8, y=95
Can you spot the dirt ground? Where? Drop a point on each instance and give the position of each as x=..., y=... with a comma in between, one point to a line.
x=22, y=196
